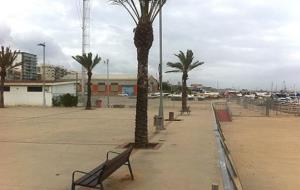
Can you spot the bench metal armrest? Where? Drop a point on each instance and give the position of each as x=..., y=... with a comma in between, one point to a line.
x=77, y=171
x=107, y=154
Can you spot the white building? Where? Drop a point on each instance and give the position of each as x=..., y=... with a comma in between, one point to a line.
x=30, y=93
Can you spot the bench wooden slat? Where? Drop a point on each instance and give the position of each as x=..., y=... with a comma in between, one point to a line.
x=92, y=176
x=104, y=170
x=115, y=163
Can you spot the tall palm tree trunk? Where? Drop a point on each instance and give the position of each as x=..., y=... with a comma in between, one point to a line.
x=88, y=102
x=184, y=93
x=2, y=89
x=141, y=118
x=143, y=39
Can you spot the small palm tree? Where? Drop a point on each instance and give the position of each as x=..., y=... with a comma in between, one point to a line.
x=7, y=58
x=88, y=63
x=184, y=66
x=143, y=13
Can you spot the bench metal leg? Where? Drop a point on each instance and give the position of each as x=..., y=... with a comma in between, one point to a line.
x=101, y=186
x=73, y=186
x=130, y=170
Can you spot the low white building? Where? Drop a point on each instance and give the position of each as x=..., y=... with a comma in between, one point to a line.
x=30, y=93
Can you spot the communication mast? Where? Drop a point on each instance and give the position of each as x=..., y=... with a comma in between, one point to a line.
x=86, y=14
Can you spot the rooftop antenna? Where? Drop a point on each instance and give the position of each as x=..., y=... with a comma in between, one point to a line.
x=85, y=39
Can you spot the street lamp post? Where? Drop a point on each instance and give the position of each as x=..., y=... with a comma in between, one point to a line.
x=107, y=81
x=44, y=54
x=161, y=107
x=76, y=85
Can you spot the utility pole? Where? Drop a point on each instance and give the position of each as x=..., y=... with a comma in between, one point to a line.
x=107, y=81
x=44, y=73
x=161, y=106
x=76, y=85
x=85, y=41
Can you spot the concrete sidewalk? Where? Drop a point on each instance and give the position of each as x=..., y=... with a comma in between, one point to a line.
x=41, y=147
x=187, y=159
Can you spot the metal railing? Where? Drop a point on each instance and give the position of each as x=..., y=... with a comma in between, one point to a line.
x=267, y=106
x=222, y=106
x=229, y=173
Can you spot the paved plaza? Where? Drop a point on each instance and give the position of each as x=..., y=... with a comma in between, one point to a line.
x=41, y=147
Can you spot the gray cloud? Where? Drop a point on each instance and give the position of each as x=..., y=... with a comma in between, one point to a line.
x=5, y=34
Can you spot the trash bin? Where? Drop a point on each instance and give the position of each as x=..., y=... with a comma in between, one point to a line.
x=99, y=103
x=171, y=116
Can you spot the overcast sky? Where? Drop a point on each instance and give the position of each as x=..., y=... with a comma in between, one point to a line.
x=244, y=44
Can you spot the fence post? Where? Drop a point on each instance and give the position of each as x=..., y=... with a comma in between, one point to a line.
x=268, y=107
x=214, y=187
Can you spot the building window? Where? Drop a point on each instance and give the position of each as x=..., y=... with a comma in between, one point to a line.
x=34, y=89
x=6, y=88
x=114, y=87
x=101, y=87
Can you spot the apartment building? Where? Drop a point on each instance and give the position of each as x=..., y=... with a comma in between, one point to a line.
x=26, y=71
x=52, y=72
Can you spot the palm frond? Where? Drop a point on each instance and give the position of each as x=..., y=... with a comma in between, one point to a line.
x=194, y=65
x=141, y=10
x=181, y=57
x=174, y=71
x=189, y=58
x=157, y=8
x=96, y=60
x=80, y=59
x=130, y=7
x=176, y=65
x=87, y=61
x=186, y=63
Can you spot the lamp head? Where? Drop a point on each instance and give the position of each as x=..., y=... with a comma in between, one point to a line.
x=42, y=44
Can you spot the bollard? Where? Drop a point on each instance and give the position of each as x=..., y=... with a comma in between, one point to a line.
x=214, y=187
x=171, y=116
x=99, y=103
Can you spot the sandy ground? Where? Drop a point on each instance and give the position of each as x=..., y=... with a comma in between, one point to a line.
x=40, y=148
x=265, y=150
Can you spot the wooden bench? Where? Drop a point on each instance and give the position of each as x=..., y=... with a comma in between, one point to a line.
x=187, y=110
x=94, y=178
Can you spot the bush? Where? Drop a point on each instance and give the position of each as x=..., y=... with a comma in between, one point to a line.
x=66, y=100
x=56, y=101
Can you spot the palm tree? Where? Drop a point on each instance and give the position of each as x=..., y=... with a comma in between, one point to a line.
x=184, y=66
x=88, y=63
x=7, y=58
x=143, y=13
